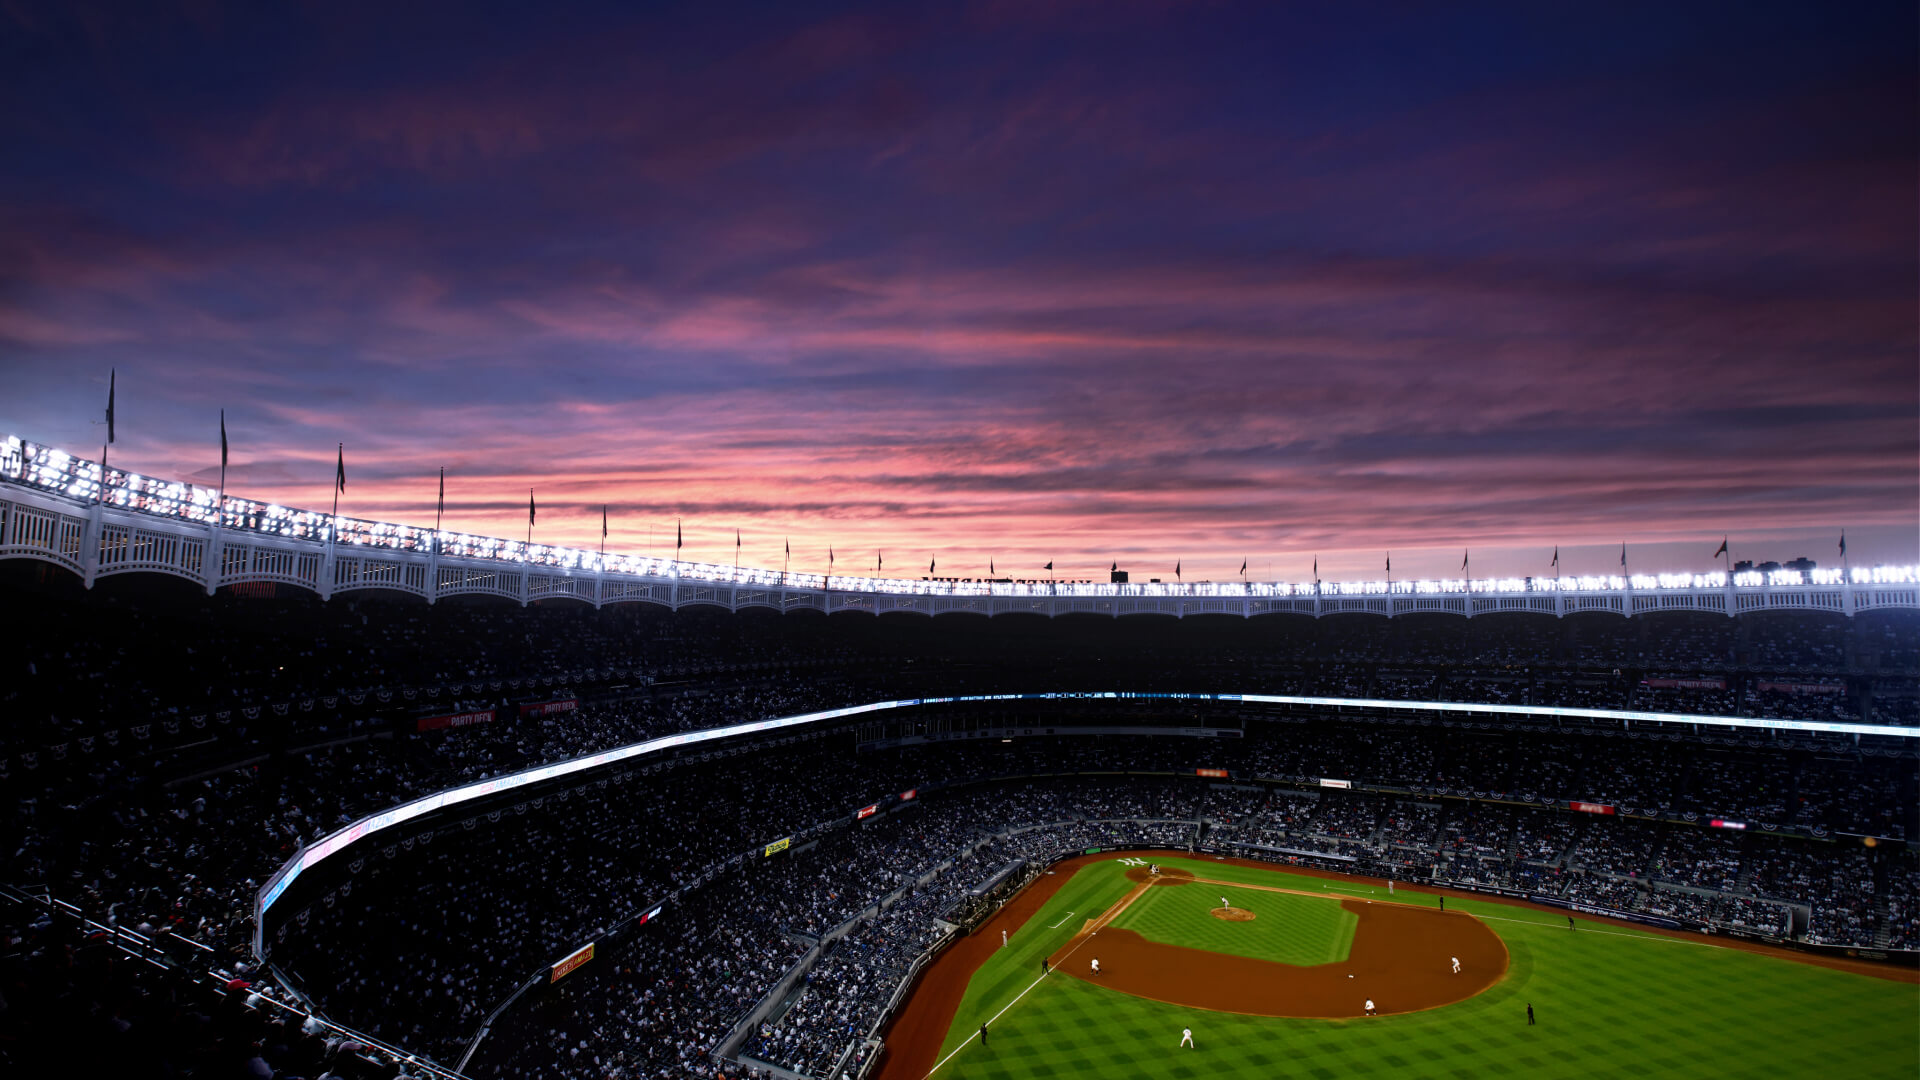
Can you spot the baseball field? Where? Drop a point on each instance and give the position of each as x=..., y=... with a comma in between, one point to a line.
x=1275, y=981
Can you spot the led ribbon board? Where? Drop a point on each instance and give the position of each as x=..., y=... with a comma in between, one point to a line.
x=386, y=819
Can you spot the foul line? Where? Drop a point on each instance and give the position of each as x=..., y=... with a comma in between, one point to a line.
x=1062, y=922
x=1614, y=933
x=995, y=1018
x=1139, y=890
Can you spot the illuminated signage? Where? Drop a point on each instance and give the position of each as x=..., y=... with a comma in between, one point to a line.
x=560, y=970
x=780, y=845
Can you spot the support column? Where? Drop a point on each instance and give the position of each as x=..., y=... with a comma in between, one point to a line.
x=216, y=540
x=90, y=543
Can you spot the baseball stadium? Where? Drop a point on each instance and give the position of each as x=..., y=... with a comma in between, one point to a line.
x=353, y=798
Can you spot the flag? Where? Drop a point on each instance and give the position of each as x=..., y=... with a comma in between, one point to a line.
x=736, y=541
x=1316, y=568
x=340, y=468
x=1176, y=569
x=1843, y=543
x=1049, y=565
x=1116, y=567
x=1556, y=556
x=529, y=506
x=930, y=567
x=1389, y=562
x=113, y=375
x=1464, y=555
x=223, y=438
x=441, y=506
x=678, y=538
x=1623, y=553
x=990, y=570
x=1243, y=568
x=829, y=558
x=603, y=521
x=1722, y=549
x=789, y=547
x=878, y=562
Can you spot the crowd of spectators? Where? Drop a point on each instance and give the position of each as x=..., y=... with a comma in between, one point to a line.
x=290, y=718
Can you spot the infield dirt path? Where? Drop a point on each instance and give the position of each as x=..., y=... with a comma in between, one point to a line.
x=1401, y=958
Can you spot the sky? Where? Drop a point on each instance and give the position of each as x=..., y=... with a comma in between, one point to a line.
x=1087, y=283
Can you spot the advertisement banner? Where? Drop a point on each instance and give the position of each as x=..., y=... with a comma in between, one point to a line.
x=779, y=845
x=1804, y=687
x=1220, y=774
x=866, y=812
x=1590, y=807
x=549, y=708
x=453, y=720
x=909, y=796
x=1324, y=782
x=1685, y=684
x=561, y=969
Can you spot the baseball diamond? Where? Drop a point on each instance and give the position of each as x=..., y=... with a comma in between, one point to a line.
x=1287, y=992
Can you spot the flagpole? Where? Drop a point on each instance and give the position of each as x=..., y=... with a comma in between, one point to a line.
x=529, y=517
x=113, y=376
x=339, y=472
x=220, y=512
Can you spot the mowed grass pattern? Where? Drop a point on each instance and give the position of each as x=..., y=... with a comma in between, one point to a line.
x=1610, y=1002
x=1299, y=930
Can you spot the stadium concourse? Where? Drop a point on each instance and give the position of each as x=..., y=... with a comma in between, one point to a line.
x=761, y=904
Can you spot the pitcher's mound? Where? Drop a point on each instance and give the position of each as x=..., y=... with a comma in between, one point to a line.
x=1232, y=914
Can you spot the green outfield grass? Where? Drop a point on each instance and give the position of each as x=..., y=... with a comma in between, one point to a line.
x=1286, y=929
x=1610, y=1001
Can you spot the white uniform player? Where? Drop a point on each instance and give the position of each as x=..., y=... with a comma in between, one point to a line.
x=1096, y=965
x=1186, y=1037
x=1003, y=939
x=1369, y=1006
x=1456, y=965
x=1223, y=902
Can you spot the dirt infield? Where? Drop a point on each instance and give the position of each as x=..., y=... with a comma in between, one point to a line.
x=1402, y=959
x=1232, y=914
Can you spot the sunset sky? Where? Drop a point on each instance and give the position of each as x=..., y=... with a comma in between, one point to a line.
x=1013, y=280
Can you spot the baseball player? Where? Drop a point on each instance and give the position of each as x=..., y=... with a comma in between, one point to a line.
x=983, y=1034
x=1096, y=965
x=1456, y=965
x=1003, y=939
x=1223, y=902
x=1370, y=1011
x=1186, y=1037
